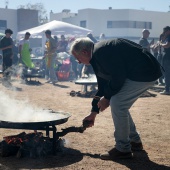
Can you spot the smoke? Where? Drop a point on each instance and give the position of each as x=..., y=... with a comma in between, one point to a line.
x=14, y=70
x=13, y=110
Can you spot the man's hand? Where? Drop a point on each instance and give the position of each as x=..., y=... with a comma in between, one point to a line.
x=103, y=104
x=10, y=46
x=91, y=118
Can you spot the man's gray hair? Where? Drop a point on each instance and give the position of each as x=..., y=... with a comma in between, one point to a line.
x=81, y=44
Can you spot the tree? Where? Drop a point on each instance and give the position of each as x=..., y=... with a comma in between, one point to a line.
x=42, y=13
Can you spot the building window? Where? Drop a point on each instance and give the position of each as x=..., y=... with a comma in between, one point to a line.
x=3, y=24
x=129, y=24
x=83, y=24
x=109, y=24
x=148, y=25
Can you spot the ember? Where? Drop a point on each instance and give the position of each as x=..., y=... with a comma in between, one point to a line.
x=31, y=144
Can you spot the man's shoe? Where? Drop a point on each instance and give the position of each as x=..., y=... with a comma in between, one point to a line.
x=136, y=146
x=165, y=93
x=54, y=82
x=115, y=154
x=48, y=81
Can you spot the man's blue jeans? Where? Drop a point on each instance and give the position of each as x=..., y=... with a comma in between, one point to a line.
x=125, y=130
x=166, y=65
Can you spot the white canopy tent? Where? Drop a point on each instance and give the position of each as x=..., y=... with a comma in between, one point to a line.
x=57, y=28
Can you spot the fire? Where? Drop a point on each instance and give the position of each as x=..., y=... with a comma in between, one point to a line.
x=33, y=144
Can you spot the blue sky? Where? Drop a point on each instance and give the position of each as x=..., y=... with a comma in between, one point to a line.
x=74, y=5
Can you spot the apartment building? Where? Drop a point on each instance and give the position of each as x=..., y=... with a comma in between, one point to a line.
x=17, y=19
x=125, y=23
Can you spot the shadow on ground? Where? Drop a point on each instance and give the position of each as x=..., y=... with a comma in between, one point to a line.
x=61, y=86
x=61, y=159
x=141, y=161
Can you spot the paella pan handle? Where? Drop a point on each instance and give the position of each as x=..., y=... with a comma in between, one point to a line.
x=79, y=129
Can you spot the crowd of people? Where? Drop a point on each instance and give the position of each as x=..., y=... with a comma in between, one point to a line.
x=14, y=53
x=11, y=49
x=77, y=69
x=124, y=70
x=161, y=51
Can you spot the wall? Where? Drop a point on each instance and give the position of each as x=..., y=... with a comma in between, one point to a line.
x=96, y=20
x=61, y=15
x=27, y=19
x=10, y=15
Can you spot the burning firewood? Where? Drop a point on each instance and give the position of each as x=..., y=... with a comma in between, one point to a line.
x=32, y=144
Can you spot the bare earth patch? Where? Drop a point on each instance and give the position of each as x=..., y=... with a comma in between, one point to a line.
x=151, y=115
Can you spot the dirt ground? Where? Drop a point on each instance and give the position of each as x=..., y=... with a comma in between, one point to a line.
x=151, y=115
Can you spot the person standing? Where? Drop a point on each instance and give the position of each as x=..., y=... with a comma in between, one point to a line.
x=166, y=59
x=24, y=51
x=124, y=71
x=90, y=35
x=102, y=37
x=56, y=40
x=62, y=45
x=160, y=57
x=88, y=69
x=6, y=44
x=50, y=55
x=144, y=40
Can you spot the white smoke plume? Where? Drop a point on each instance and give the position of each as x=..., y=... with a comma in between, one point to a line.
x=15, y=70
x=13, y=110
